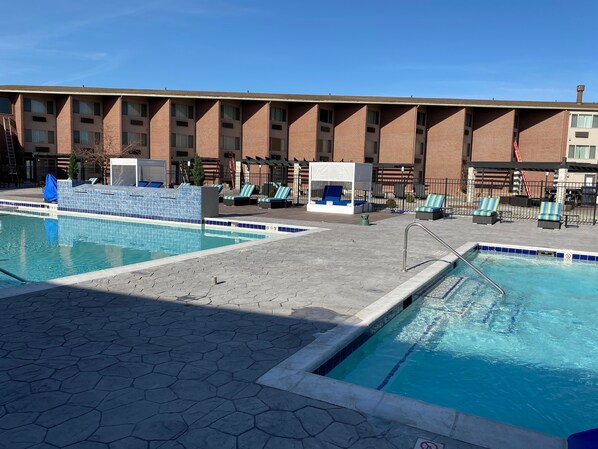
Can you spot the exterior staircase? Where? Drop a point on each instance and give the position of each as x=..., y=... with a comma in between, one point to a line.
x=10, y=147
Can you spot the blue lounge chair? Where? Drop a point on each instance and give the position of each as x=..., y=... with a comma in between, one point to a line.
x=487, y=211
x=183, y=184
x=280, y=199
x=243, y=198
x=142, y=183
x=93, y=180
x=155, y=184
x=331, y=193
x=219, y=186
x=432, y=210
x=550, y=215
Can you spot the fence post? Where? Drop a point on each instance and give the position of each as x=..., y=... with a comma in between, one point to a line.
x=238, y=174
x=296, y=181
x=561, y=187
x=470, y=184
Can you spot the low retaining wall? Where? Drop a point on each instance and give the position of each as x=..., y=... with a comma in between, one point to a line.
x=188, y=204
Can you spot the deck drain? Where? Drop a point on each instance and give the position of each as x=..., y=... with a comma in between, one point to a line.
x=423, y=443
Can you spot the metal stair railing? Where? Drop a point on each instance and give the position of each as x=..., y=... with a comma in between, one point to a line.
x=12, y=160
x=438, y=239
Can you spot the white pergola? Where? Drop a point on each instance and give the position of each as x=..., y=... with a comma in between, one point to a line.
x=351, y=176
x=129, y=171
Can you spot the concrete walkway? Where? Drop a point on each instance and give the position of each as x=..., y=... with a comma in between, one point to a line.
x=160, y=358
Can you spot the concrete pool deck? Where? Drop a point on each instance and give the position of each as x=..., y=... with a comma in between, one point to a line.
x=161, y=358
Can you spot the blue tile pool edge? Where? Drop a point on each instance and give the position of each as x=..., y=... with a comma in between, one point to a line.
x=219, y=222
x=300, y=372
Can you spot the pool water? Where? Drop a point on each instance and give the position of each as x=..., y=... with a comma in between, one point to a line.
x=529, y=358
x=39, y=248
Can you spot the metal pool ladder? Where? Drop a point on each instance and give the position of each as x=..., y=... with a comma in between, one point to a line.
x=438, y=239
x=12, y=275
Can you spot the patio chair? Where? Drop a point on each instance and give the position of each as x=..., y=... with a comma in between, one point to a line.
x=400, y=191
x=155, y=184
x=550, y=215
x=331, y=193
x=142, y=183
x=280, y=199
x=419, y=191
x=432, y=210
x=183, y=184
x=487, y=211
x=243, y=198
x=93, y=180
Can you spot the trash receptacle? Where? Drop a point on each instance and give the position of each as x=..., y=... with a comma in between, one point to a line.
x=365, y=219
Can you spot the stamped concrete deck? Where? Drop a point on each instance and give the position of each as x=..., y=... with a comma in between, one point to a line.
x=161, y=358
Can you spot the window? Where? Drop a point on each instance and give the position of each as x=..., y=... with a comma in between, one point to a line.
x=582, y=151
x=373, y=117
x=325, y=129
x=38, y=118
x=228, y=112
x=276, y=127
x=182, y=123
x=371, y=147
x=421, y=119
x=230, y=143
x=584, y=121
x=182, y=111
x=39, y=136
x=84, y=107
x=138, y=139
x=371, y=129
x=134, y=109
x=326, y=116
x=278, y=114
x=86, y=120
x=5, y=106
x=468, y=120
x=136, y=122
x=181, y=141
x=38, y=106
x=86, y=137
x=277, y=144
x=324, y=146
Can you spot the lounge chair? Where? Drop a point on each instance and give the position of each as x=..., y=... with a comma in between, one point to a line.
x=280, y=199
x=432, y=210
x=142, y=183
x=419, y=191
x=400, y=191
x=550, y=215
x=331, y=193
x=219, y=186
x=243, y=198
x=487, y=211
x=155, y=184
x=184, y=184
x=93, y=180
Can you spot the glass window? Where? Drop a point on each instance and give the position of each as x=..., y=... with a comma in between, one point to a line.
x=324, y=146
x=38, y=106
x=86, y=137
x=184, y=111
x=373, y=117
x=181, y=140
x=278, y=114
x=84, y=107
x=137, y=139
x=371, y=147
x=230, y=143
x=584, y=121
x=39, y=136
x=134, y=109
x=582, y=151
x=228, y=112
x=5, y=105
x=468, y=120
x=326, y=115
x=278, y=145
x=421, y=119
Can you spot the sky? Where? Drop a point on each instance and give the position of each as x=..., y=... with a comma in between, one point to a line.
x=479, y=49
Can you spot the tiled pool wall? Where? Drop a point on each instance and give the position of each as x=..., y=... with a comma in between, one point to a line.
x=324, y=368
x=216, y=222
x=186, y=204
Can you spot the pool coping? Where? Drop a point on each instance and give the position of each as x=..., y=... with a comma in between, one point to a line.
x=271, y=231
x=295, y=374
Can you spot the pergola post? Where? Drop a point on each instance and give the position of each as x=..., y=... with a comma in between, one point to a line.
x=238, y=168
x=296, y=180
x=561, y=187
x=470, y=184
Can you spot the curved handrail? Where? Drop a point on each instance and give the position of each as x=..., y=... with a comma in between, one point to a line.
x=8, y=273
x=490, y=281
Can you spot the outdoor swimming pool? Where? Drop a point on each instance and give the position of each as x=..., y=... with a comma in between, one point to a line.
x=527, y=359
x=37, y=248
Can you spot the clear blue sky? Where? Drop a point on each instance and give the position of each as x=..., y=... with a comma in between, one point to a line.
x=502, y=49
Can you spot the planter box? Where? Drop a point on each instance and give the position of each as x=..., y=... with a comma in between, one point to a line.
x=521, y=201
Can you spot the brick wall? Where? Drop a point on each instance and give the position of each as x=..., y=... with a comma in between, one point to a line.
x=207, y=128
x=349, y=132
x=159, y=136
x=493, y=134
x=64, y=124
x=303, y=130
x=397, y=134
x=112, y=131
x=256, y=126
x=444, y=150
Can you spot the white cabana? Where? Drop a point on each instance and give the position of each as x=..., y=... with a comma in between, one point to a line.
x=129, y=171
x=332, y=187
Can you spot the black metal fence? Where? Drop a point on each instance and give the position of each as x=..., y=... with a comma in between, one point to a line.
x=580, y=200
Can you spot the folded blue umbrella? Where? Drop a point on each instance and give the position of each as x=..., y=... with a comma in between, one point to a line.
x=51, y=189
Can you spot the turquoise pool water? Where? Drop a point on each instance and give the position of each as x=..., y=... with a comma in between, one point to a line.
x=529, y=358
x=37, y=248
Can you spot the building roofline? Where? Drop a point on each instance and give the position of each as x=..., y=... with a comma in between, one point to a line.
x=297, y=98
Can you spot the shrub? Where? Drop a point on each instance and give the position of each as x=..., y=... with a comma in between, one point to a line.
x=410, y=198
x=391, y=204
x=197, y=172
x=73, y=169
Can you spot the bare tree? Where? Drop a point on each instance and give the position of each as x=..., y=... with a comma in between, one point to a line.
x=100, y=153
